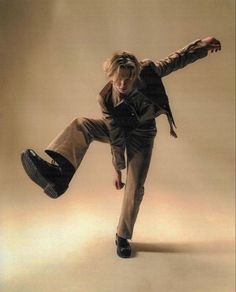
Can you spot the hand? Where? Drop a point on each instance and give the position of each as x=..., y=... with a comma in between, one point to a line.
x=117, y=180
x=212, y=44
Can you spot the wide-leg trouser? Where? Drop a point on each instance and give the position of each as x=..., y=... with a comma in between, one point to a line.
x=73, y=142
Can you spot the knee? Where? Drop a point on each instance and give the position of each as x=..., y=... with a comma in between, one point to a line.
x=83, y=125
x=139, y=193
x=79, y=123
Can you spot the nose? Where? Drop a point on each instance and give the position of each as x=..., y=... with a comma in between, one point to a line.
x=122, y=84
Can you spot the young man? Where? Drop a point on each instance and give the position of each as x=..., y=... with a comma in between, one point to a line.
x=130, y=101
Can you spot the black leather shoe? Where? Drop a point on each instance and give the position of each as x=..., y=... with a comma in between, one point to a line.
x=44, y=174
x=123, y=247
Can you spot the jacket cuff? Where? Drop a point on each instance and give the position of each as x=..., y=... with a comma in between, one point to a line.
x=199, y=47
x=118, y=158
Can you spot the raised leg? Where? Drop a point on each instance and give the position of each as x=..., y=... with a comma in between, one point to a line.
x=73, y=142
x=68, y=150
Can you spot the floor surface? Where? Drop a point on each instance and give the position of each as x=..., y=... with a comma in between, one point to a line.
x=68, y=245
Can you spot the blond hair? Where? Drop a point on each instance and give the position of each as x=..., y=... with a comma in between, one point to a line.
x=121, y=60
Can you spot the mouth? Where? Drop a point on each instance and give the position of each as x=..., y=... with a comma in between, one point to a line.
x=122, y=89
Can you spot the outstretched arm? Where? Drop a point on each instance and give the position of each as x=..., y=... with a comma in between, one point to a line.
x=187, y=55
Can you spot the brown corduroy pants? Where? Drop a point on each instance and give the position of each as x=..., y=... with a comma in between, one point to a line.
x=73, y=142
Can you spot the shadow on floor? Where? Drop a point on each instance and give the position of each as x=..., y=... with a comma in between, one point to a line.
x=184, y=247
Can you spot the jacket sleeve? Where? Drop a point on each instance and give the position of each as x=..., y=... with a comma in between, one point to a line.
x=180, y=58
x=117, y=137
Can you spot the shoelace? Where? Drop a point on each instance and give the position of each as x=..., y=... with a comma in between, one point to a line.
x=53, y=162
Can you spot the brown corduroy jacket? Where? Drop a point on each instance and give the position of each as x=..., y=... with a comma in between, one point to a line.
x=148, y=100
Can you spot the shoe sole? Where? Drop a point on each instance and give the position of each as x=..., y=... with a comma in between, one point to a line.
x=36, y=177
x=120, y=254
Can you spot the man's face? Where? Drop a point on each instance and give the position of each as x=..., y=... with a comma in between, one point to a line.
x=123, y=83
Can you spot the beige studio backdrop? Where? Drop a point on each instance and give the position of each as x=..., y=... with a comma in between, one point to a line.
x=50, y=72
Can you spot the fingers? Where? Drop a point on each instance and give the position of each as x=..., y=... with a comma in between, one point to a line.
x=119, y=185
x=215, y=46
x=117, y=180
x=122, y=185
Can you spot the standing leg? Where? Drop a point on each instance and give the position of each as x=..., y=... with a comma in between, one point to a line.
x=139, y=151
